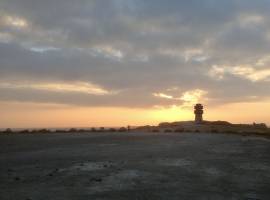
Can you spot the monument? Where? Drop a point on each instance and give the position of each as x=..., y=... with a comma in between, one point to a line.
x=198, y=111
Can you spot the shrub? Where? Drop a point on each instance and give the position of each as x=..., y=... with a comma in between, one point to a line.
x=8, y=130
x=60, y=131
x=179, y=130
x=112, y=130
x=214, y=131
x=231, y=131
x=168, y=131
x=164, y=124
x=122, y=129
x=72, y=130
x=93, y=130
x=43, y=131
x=223, y=123
x=24, y=131
x=101, y=129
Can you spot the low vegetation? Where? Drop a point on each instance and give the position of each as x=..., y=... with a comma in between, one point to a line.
x=265, y=132
x=71, y=130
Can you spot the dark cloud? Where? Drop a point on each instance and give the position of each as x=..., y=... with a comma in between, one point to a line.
x=136, y=47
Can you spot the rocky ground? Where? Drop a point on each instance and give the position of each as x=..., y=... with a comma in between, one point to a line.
x=134, y=166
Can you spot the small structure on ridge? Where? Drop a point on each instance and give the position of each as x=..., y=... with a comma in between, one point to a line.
x=198, y=111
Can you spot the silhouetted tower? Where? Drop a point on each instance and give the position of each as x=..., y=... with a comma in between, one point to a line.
x=198, y=111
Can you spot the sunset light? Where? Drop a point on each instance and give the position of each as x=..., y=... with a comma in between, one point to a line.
x=134, y=99
x=152, y=61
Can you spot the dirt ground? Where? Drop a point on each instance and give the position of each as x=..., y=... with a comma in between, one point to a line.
x=141, y=166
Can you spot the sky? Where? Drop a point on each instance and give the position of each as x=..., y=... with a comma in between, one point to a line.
x=117, y=62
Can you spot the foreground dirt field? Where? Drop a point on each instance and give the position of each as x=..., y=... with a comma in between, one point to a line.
x=138, y=166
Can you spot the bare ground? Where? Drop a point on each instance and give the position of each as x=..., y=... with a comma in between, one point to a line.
x=148, y=166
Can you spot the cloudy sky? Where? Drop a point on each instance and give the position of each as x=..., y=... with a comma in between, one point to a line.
x=118, y=62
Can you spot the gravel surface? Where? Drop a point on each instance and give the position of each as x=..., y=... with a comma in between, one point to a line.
x=139, y=166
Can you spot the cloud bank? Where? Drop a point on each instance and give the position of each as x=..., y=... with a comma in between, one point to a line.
x=134, y=53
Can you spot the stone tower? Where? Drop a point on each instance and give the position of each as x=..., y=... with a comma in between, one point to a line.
x=198, y=111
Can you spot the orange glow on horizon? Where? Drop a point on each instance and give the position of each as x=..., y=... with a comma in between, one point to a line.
x=31, y=115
